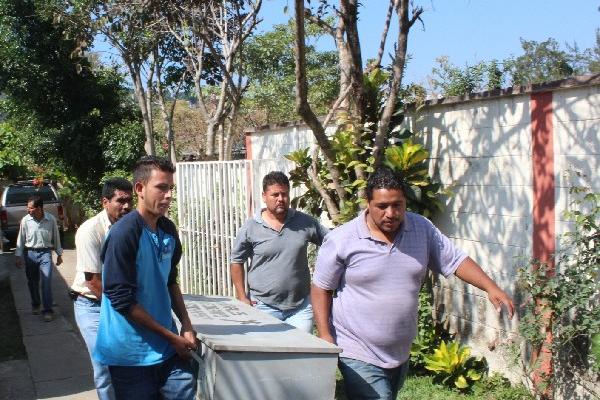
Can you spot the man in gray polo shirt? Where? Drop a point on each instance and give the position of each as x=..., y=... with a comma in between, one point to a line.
x=375, y=264
x=276, y=239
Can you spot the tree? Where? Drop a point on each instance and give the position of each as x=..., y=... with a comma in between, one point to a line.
x=171, y=77
x=219, y=29
x=540, y=62
x=129, y=26
x=366, y=133
x=451, y=80
x=271, y=72
x=57, y=106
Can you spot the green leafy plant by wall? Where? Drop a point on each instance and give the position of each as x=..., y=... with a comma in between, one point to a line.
x=430, y=332
x=570, y=293
x=408, y=158
x=453, y=365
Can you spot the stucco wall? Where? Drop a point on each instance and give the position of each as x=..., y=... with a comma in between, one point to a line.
x=482, y=149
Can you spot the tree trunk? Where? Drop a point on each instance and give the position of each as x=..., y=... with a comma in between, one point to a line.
x=140, y=94
x=211, y=126
x=166, y=113
x=397, y=71
x=221, y=132
x=304, y=110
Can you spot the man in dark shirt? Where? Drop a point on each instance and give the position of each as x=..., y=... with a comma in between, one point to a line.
x=137, y=336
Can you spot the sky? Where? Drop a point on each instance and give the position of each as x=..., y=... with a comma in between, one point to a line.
x=467, y=31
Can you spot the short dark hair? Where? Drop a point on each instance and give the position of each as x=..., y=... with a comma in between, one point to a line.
x=144, y=166
x=113, y=184
x=37, y=201
x=275, y=178
x=385, y=178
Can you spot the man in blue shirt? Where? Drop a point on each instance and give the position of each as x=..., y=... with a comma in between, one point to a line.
x=137, y=336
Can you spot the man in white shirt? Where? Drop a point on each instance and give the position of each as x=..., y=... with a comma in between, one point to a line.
x=86, y=290
x=38, y=236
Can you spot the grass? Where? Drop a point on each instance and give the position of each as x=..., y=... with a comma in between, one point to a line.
x=493, y=387
x=11, y=339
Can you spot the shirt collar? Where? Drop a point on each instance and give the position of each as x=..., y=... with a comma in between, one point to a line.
x=30, y=218
x=365, y=233
x=105, y=221
x=290, y=214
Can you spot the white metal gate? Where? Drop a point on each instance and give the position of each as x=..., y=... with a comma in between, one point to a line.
x=213, y=201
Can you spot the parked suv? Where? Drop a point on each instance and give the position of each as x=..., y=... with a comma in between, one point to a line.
x=13, y=206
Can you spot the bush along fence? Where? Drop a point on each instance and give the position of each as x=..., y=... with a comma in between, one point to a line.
x=561, y=299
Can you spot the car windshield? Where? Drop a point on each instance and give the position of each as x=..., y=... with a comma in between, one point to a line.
x=20, y=194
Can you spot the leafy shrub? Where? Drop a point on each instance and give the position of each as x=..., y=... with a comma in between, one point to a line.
x=453, y=365
x=565, y=297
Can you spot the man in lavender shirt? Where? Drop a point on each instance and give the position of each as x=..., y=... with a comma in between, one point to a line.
x=375, y=264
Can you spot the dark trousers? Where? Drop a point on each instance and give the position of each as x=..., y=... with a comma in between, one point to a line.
x=38, y=264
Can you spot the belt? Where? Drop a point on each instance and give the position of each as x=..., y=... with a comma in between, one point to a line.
x=39, y=248
x=74, y=295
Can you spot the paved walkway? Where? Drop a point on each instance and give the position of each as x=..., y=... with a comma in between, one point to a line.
x=57, y=365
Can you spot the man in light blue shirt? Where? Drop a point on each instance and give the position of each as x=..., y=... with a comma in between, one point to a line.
x=366, y=285
x=38, y=236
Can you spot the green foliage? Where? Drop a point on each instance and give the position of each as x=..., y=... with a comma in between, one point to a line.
x=539, y=62
x=122, y=144
x=271, y=72
x=595, y=347
x=593, y=56
x=453, y=365
x=498, y=387
x=567, y=293
x=406, y=157
x=428, y=337
x=494, y=387
x=58, y=107
x=411, y=160
x=13, y=160
x=455, y=81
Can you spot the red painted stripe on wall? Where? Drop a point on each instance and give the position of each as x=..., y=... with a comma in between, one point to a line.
x=248, y=141
x=544, y=241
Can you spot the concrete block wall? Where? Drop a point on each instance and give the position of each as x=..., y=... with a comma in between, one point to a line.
x=488, y=153
x=481, y=151
x=506, y=158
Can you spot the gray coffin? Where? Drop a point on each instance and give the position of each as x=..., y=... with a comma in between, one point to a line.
x=247, y=354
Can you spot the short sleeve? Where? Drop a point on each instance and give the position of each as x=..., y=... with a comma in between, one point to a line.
x=444, y=256
x=320, y=233
x=329, y=267
x=242, y=247
x=88, y=243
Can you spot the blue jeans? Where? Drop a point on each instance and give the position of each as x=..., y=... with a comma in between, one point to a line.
x=87, y=315
x=39, y=263
x=172, y=379
x=300, y=317
x=364, y=381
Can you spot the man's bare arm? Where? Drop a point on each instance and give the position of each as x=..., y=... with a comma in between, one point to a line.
x=178, y=305
x=469, y=271
x=94, y=282
x=181, y=344
x=237, y=278
x=321, y=300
